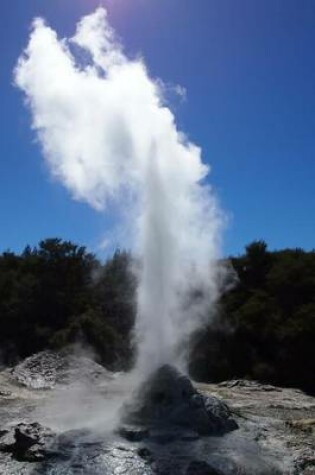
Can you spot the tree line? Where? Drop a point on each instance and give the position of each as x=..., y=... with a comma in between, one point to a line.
x=57, y=293
x=265, y=325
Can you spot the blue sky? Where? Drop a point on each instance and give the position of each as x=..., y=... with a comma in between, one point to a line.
x=249, y=71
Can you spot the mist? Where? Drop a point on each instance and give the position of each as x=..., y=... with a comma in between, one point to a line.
x=109, y=136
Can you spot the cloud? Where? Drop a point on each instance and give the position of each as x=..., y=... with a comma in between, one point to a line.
x=181, y=92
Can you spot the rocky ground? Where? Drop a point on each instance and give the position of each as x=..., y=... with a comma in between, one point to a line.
x=281, y=420
x=59, y=415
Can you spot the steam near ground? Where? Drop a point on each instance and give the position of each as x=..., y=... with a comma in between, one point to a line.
x=108, y=135
x=82, y=393
x=87, y=406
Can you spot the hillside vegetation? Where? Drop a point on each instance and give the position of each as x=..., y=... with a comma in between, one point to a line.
x=57, y=293
x=265, y=327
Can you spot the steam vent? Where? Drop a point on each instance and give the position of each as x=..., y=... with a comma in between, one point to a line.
x=168, y=406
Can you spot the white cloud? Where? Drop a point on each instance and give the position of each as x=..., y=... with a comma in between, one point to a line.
x=181, y=91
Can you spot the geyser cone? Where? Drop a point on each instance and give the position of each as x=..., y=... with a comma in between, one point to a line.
x=167, y=400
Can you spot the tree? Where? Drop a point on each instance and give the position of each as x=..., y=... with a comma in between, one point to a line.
x=57, y=293
x=267, y=327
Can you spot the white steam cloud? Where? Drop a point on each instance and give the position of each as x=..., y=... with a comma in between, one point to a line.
x=108, y=136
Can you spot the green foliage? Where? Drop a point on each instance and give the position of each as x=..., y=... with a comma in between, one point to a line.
x=58, y=293
x=114, y=293
x=270, y=317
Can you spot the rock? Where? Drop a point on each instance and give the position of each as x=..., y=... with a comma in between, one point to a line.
x=145, y=454
x=305, y=425
x=27, y=435
x=47, y=368
x=305, y=461
x=189, y=436
x=249, y=384
x=220, y=415
x=6, y=439
x=133, y=433
x=32, y=442
x=5, y=394
x=3, y=433
x=168, y=402
x=275, y=436
x=165, y=435
x=38, y=371
x=201, y=468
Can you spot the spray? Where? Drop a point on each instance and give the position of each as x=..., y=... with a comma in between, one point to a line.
x=108, y=135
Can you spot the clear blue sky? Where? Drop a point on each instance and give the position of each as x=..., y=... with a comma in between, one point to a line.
x=249, y=70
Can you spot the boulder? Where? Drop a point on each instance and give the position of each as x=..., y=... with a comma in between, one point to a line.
x=31, y=442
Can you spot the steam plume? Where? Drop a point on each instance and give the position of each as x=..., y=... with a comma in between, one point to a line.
x=109, y=137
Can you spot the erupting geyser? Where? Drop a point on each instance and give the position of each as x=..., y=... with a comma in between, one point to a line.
x=109, y=137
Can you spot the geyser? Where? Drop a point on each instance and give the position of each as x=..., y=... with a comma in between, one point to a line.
x=108, y=135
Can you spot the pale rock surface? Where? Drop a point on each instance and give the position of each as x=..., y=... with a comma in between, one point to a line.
x=275, y=434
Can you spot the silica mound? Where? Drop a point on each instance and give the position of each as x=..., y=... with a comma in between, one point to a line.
x=168, y=402
x=46, y=369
